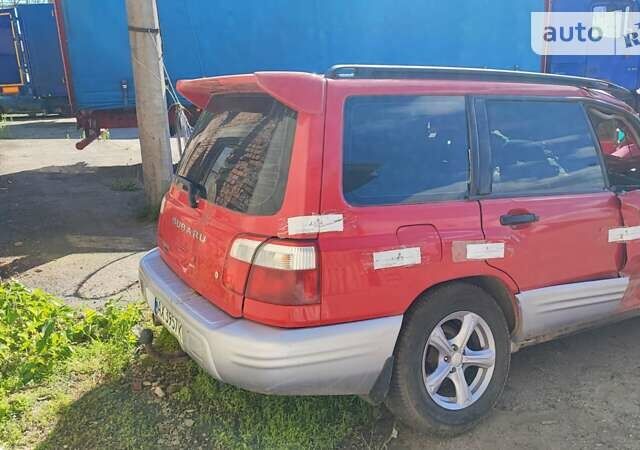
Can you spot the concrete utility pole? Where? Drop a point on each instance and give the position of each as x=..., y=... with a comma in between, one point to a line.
x=151, y=106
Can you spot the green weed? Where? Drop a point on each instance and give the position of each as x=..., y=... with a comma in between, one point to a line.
x=37, y=331
x=39, y=334
x=105, y=134
x=73, y=379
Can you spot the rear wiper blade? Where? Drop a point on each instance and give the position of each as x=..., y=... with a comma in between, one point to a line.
x=195, y=190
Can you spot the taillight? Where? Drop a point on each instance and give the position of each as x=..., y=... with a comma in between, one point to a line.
x=284, y=273
x=238, y=263
x=243, y=249
x=281, y=272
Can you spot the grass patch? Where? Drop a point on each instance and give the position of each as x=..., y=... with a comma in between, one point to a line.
x=38, y=332
x=41, y=340
x=4, y=131
x=197, y=411
x=96, y=390
x=125, y=184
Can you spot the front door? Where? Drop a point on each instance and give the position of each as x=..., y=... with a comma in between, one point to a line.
x=545, y=198
x=619, y=138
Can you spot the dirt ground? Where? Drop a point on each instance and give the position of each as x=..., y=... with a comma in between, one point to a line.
x=71, y=220
x=69, y=224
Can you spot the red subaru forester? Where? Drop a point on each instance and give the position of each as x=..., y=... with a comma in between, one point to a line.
x=396, y=232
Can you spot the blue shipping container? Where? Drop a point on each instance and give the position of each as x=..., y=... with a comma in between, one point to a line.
x=30, y=58
x=42, y=47
x=10, y=73
x=622, y=70
x=206, y=38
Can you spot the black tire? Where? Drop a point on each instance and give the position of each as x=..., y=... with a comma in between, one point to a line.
x=408, y=398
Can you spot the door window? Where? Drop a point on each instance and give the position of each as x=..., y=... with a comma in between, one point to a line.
x=541, y=148
x=405, y=149
x=619, y=144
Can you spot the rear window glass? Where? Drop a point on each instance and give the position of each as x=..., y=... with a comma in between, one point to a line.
x=542, y=147
x=240, y=152
x=405, y=149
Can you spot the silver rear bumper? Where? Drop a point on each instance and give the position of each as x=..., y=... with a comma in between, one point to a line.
x=327, y=360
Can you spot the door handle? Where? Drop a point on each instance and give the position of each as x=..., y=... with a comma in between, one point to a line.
x=518, y=219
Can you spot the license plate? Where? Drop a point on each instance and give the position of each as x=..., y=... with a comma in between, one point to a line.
x=168, y=319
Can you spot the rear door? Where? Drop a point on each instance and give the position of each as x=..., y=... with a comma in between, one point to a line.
x=230, y=182
x=544, y=193
x=618, y=133
x=396, y=165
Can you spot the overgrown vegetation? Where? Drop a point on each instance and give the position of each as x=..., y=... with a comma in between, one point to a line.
x=39, y=334
x=73, y=379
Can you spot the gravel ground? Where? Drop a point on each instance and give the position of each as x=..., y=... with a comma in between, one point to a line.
x=70, y=226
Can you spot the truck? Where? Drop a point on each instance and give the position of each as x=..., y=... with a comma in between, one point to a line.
x=31, y=71
x=204, y=38
x=622, y=70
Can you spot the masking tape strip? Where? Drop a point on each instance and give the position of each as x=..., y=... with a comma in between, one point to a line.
x=397, y=258
x=624, y=234
x=485, y=250
x=315, y=224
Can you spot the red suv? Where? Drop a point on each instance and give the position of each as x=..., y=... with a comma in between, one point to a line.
x=396, y=232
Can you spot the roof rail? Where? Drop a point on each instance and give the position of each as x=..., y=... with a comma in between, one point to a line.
x=360, y=71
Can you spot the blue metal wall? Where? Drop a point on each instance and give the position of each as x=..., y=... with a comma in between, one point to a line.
x=205, y=37
x=42, y=47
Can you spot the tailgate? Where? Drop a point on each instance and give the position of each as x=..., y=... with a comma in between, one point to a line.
x=238, y=177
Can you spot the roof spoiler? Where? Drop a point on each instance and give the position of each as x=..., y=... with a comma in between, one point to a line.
x=300, y=91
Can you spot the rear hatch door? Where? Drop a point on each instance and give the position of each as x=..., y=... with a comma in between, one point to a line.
x=232, y=182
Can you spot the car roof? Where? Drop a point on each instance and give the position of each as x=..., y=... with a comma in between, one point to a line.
x=305, y=91
x=361, y=71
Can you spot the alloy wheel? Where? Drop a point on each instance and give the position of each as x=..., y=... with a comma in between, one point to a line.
x=458, y=360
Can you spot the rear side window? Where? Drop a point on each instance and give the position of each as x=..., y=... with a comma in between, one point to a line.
x=541, y=147
x=405, y=149
x=240, y=153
